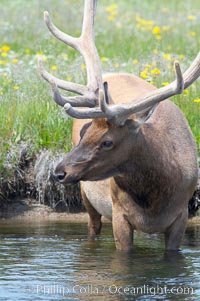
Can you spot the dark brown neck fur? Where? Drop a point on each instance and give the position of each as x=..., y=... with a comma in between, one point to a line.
x=146, y=180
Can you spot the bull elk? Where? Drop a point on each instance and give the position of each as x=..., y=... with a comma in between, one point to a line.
x=134, y=153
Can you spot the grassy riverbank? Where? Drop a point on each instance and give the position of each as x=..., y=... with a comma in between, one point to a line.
x=141, y=37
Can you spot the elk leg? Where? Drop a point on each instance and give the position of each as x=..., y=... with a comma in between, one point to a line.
x=175, y=232
x=94, y=223
x=123, y=232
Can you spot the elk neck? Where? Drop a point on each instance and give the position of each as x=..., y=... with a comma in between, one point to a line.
x=147, y=168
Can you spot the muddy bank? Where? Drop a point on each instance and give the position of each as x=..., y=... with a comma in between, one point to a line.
x=30, y=211
x=27, y=187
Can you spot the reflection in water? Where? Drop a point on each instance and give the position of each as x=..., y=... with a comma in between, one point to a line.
x=55, y=261
x=191, y=236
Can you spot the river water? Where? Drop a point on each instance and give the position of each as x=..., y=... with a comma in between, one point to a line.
x=56, y=261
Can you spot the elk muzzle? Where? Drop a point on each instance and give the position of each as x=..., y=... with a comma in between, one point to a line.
x=73, y=167
x=59, y=177
x=66, y=173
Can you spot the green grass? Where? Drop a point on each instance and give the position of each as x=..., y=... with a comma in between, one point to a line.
x=127, y=40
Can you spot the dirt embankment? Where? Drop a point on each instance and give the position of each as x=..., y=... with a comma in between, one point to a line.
x=26, y=184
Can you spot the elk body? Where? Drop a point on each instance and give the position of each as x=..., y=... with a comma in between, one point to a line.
x=134, y=153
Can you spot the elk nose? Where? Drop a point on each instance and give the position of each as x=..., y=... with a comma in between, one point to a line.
x=59, y=177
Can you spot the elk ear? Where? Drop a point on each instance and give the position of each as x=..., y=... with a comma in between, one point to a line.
x=143, y=116
x=84, y=129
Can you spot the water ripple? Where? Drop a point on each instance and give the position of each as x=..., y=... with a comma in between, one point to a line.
x=57, y=262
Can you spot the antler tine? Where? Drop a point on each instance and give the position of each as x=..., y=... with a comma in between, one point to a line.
x=74, y=101
x=65, y=85
x=86, y=46
x=88, y=18
x=84, y=113
x=67, y=39
x=123, y=111
x=182, y=82
x=103, y=111
x=119, y=113
x=88, y=113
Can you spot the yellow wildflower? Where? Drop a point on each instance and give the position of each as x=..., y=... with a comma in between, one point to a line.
x=68, y=78
x=181, y=56
x=165, y=28
x=165, y=10
x=192, y=33
x=44, y=58
x=147, y=66
x=166, y=56
x=197, y=100
x=27, y=51
x=155, y=71
x=165, y=83
x=158, y=37
x=142, y=24
x=111, y=18
x=39, y=53
x=185, y=92
x=135, y=61
x=116, y=65
x=5, y=48
x=144, y=74
x=156, y=30
x=83, y=66
x=54, y=67
x=191, y=17
x=15, y=87
x=104, y=59
x=4, y=54
x=112, y=9
x=15, y=61
x=155, y=51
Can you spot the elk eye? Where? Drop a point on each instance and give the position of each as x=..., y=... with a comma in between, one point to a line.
x=107, y=144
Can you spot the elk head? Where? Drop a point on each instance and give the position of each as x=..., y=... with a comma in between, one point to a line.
x=99, y=152
x=106, y=141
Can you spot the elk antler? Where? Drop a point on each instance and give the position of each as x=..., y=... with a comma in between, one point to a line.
x=86, y=46
x=119, y=113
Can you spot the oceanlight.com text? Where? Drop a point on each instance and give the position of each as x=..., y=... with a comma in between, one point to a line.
x=113, y=289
